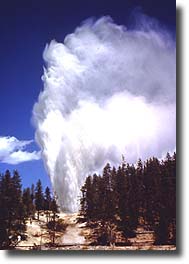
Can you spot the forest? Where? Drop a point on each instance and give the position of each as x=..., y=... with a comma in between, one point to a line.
x=124, y=198
x=19, y=204
x=113, y=205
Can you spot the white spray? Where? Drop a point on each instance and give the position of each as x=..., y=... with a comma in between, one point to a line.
x=107, y=92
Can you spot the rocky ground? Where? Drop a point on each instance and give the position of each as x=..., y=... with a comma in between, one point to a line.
x=76, y=237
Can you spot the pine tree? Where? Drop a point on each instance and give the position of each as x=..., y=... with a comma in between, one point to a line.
x=47, y=202
x=28, y=203
x=48, y=199
x=123, y=202
x=4, y=236
x=126, y=201
x=54, y=209
x=39, y=198
x=99, y=212
x=144, y=194
x=133, y=199
x=115, y=195
x=11, y=208
x=17, y=197
x=89, y=198
x=83, y=205
x=165, y=231
x=108, y=193
x=152, y=195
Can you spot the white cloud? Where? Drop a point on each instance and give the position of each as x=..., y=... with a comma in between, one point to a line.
x=12, y=151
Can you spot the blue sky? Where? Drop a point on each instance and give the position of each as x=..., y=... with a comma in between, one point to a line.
x=25, y=28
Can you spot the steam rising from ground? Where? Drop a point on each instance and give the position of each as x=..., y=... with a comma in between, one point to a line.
x=107, y=91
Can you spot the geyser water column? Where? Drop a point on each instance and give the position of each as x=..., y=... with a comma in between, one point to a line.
x=107, y=91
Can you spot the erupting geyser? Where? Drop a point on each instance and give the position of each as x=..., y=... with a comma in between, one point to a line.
x=107, y=91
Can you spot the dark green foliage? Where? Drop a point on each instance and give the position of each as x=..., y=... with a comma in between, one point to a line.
x=39, y=198
x=29, y=207
x=166, y=211
x=58, y=226
x=47, y=199
x=130, y=196
x=11, y=208
x=17, y=206
x=54, y=206
x=54, y=222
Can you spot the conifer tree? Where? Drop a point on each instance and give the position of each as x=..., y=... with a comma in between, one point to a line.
x=89, y=198
x=107, y=201
x=4, y=236
x=11, y=208
x=47, y=202
x=144, y=194
x=133, y=199
x=47, y=199
x=39, y=198
x=28, y=203
x=54, y=209
x=165, y=230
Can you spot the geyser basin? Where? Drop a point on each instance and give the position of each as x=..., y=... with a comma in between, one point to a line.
x=107, y=92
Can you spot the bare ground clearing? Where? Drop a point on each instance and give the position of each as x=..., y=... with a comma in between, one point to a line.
x=76, y=237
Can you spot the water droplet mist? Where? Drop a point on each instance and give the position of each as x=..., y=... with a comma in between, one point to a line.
x=107, y=92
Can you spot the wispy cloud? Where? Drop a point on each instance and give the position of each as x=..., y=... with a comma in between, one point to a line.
x=13, y=151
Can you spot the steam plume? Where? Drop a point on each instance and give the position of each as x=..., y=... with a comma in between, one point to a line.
x=107, y=91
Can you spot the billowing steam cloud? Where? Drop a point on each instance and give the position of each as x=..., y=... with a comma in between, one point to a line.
x=107, y=91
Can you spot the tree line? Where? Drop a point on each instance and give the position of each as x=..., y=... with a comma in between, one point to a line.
x=134, y=195
x=18, y=205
